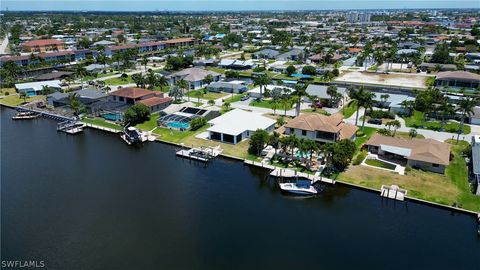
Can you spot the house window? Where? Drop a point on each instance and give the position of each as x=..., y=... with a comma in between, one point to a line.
x=291, y=131
x=435, y=165
x=304, y=133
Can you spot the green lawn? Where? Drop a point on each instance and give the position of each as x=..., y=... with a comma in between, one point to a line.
x=367, y=133
x=15, y=100
x=235, y=98
x=150, y=124
x=101, y=122
x=118, y=81
x=350, y=109
x=416, y=121
x=207, y=95
x=320, y=111
x=266, y=103
x=380, y=164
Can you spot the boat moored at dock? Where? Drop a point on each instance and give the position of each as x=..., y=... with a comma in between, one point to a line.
x=299, y=187
x=26, y=115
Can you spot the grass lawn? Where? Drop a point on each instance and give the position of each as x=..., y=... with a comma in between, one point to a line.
x=207, y=96
x=320, y=111
x=381, y=164
x=234, y=98
x=15, y=100
x=119, y=81
x=447, y=189
x=267, y=104
x=150, y=124
x=368, y=132
x=102, y=122
x=216, y=69
x=349, y=110
x=416, y=121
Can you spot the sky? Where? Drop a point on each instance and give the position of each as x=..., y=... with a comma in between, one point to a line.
x=228, y=5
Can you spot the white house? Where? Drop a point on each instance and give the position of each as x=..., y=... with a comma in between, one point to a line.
x=35, y=88
x=236, y=125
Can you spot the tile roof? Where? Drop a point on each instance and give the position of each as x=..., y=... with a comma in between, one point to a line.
x=42, y=42
x=131, y=92
x=155, y=101
x=318, y=122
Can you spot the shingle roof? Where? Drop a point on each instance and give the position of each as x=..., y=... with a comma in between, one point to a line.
x=426, y=150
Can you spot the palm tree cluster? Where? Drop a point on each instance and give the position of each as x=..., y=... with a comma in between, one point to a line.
x=149, y=80
x=363, y=99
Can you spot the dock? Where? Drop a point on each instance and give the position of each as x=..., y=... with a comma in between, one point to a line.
x=204, y=154
x=289, y=173
x=70, y=127
x=45, y=114
x=393, y=192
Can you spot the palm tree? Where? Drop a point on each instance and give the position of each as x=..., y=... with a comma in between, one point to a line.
x=274, y=140
x=332, y=92
x=276, y=97
x=412, y=133
x=139, y=80
x=75, y=104
x=226, y=106
x=199, y=94
x=175, y=92
x=299, y=94
x=395, y=124
x=162, y=81
x=356, y=96
x=262, y=81
x=151, y=79
x=408, y=106
x=208, y=79
x=446, y=109
x=116, y=57
x=183, y=85
x=366, y=101
x=23, y=95
x=465, y=107
x=80, y=72
x=144, y=62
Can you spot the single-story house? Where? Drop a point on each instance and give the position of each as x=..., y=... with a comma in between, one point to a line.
x=237, y=125
x=95, y=68
x=86, y=96
x=320, y=91
x=35, y=88
x=194, y=76
x=132, y=95
x=458, y=79
x=425, y=154
x=54, y=75
x=432, y=66
x=230, y=87
x=237, y=64
x=294, y=55
x=393, y=101
x=321, y=128
x=265, y=54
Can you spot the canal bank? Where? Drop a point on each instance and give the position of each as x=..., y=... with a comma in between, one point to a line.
x=410, y=198
x=121, y=207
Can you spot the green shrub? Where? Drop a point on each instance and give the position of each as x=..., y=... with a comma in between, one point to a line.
x=360, y=157
x=360, y=133
x=381, y=114
x=197, y=123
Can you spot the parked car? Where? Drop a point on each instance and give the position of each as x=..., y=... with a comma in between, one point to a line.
x=246, y=97
x=375, y=121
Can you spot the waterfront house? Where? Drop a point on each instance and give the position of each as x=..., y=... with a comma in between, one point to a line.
x=35, y=88
x=87, y=97
x=321, y=128
x=237, y=125
x=194, y=76
x=228, y=86
x=132, y=95
x=425, y=154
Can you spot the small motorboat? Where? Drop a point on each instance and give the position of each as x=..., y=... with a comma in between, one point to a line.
x=25, y=115
x=132, y=135
x=300, y=187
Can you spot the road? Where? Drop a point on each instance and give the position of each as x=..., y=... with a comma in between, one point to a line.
x=4, y=45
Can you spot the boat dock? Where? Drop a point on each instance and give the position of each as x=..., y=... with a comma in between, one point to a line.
x=45, y=114
x=393, y=192
x=289, y=173
x=204, y=154
x=70, y=127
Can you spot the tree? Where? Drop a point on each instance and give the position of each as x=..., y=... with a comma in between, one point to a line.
x=276, y=96
x=281, y=121
x=366, y=101
x=358, y=96
x=441, y=55
x=80, y=72
x=231, y=74
x=395, y=124
x=262, y=81
x=465, y=108
x=23, y=95
x=77, y=106
x=139, y=80
x=412, y=133
x=257, y=142
x=136, y=114
x=226, y=106
x=341, y=153
x=151, y=79
x=175, y=92
x=197, y=123
x=144, y=62
x=332, y=92
x=274, y=140
x=208, y=79
x=198, y=94
x=211, y=102
x=309, y=70
x=298, y=95
x=162, y=82
x=290, y=70
x=183, y=85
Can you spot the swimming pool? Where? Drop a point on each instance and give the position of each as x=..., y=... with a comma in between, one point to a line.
x=113, y=116
x=178, y=125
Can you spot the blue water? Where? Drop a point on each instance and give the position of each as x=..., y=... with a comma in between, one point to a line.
x=178, y=125
x=300, y=75
x=113, y=116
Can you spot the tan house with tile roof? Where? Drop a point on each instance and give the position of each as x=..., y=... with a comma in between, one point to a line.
x=321, y=128
x=426, y=154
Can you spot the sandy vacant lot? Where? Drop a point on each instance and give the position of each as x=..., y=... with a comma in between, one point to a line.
x=403, y=80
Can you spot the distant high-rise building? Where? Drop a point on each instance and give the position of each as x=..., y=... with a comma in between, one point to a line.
x=355, y=17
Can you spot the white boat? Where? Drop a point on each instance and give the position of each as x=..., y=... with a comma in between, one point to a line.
x=301, y=187
x=25, y=115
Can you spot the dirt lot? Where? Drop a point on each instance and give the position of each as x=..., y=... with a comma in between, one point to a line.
x=404, y=80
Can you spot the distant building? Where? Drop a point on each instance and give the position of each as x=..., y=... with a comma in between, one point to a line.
x=43, y=45
x=355, y=17
x=265, y=54
x=458, y=79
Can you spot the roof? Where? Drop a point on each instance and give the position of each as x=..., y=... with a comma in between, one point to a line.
x=155, y=101
x=37, y=86
x=238, y=121
x=131, y=92
x=53, y=75
x=458, y=75
x=320, y=91
x=319, y=122
x=194, y=74
x=425, y=150
x=42, y=42
x=83, y=94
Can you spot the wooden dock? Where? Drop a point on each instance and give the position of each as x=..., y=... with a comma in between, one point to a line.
x=204, y=154
x=393, y=192
x=71, y=127
x=289, y=173
x=45, y=114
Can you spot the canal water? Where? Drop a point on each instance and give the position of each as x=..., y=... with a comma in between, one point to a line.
x=91, y=202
